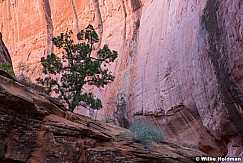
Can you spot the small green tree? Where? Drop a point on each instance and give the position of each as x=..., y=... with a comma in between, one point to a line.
x=77, y=67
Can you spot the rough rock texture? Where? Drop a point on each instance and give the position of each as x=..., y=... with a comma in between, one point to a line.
x=35, y=128
x=179, y=66
x=4, y=54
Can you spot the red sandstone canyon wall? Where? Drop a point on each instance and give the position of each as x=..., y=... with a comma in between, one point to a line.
x=179, y=66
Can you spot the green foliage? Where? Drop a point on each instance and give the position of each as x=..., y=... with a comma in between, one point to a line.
x=145, y=134
x=108, y=121
x=7, y=67
x=22, y=77
x=25, y=81
x=77, y=68
x=125, y=134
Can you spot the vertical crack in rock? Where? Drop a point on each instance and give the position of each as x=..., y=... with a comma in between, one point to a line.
x=125, y=22
x=136, y=4
x=49, y=24
x=100, y=23
x=121, y=111
x=134, y=38
x=132, y=51
x=229, y=92
x=76, y=16
x=125, y=87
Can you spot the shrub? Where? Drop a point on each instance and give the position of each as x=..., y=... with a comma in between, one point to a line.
x=145, y=134
x=23, y=79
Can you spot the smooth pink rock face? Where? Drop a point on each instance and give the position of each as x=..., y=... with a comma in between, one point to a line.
x=172, y=70
x=164, y=72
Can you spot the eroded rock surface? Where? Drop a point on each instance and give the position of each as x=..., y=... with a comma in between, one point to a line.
x=179, y=65
x=35, y=129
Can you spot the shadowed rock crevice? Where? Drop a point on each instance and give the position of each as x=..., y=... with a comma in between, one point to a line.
x=4, y=54
x=10, y=161
x=99, y=19
x=125, y=23
x=229, y=92
x=121, y=112
x=76, y=16
x=6, y=68
x=49, y=25
x=136, y=4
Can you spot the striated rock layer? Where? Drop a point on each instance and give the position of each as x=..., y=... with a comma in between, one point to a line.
x=35, y=128
x=179, y=66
